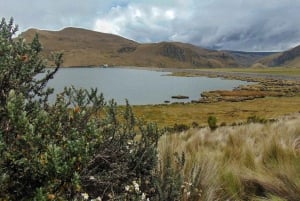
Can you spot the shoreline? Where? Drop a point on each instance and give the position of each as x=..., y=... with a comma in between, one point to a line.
x=262, y=84
x=209, y=73
x=202, y=72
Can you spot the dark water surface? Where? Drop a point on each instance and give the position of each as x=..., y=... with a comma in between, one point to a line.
x=140, y=87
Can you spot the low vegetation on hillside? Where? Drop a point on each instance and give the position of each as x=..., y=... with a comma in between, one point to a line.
x=89, y=48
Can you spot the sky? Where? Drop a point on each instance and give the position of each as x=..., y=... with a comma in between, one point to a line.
x=242, y=25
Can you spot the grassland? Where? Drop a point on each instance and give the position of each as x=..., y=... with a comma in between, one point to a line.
x=279, y=72
x=227, y=112
x=252, y=161
x=270, y=70
x=248, y=162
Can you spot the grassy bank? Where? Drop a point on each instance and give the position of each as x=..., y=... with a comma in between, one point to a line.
x=274, y=70
x=248, y=162
x=227, y=112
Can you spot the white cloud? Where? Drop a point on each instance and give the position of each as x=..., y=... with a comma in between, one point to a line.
x=106, y=27
x=138, y=22
x=170, y=15
x=155, y=12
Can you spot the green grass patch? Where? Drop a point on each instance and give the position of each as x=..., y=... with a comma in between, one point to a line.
x=225, y=112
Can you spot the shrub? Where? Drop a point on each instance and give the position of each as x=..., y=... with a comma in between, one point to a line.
x=195, y=124
x=256, y=119
x=212, y=122
x=180, y=127
x=223, y=124
x=79, y=147
x=170, y=176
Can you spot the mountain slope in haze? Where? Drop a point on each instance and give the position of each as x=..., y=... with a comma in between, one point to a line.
x=89, y=48
x=289, y=58
x=247, y=59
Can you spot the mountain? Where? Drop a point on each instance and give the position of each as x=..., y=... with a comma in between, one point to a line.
x=289, y=58
x=83, y=47
x=249, y=58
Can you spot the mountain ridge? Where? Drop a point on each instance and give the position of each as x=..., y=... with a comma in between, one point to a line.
x=82, y=47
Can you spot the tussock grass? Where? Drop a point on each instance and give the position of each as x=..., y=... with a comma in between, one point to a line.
x=247, y=162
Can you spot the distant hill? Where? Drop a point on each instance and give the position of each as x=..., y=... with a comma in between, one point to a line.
x=89, y=48
x=249, y=58
x=289, y=58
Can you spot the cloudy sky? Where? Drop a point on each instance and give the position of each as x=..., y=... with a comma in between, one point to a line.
x=247, y=25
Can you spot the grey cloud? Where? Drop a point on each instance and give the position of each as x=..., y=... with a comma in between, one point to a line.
x=232, y=24
x=245, y=25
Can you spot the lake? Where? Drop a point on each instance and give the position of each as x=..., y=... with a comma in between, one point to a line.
x=140, y=87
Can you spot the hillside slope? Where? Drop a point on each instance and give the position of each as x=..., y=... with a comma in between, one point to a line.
x=289, y=58
x=89, y=48
x=249, y=58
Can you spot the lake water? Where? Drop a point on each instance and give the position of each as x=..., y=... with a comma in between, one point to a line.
x=140, y=87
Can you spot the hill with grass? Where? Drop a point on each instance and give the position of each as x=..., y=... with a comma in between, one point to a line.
x=289, y=58
x=89, y=48
x=247, y=59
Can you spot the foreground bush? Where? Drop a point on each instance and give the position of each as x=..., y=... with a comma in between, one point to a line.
x=77, y=148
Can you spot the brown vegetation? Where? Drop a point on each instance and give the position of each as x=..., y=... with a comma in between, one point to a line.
x=273, y=88
x=88, y=48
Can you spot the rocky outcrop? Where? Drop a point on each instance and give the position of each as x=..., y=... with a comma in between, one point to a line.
x=173, y=51
x=180, y=97
x=126, y=49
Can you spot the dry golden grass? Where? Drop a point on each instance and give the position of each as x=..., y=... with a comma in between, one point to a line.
x=247, y=162
x=227, y=112
x=269, y=70
x=239, y=93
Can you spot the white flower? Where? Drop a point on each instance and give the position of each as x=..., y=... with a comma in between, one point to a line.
x=11, y=93
x=143, y=196
x=127, y=188
x=97, y=199
x=136, y=186
x=85, y=196
x=92, y=178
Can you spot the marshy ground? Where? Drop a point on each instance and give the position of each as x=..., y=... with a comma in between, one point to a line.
x=276, y=92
